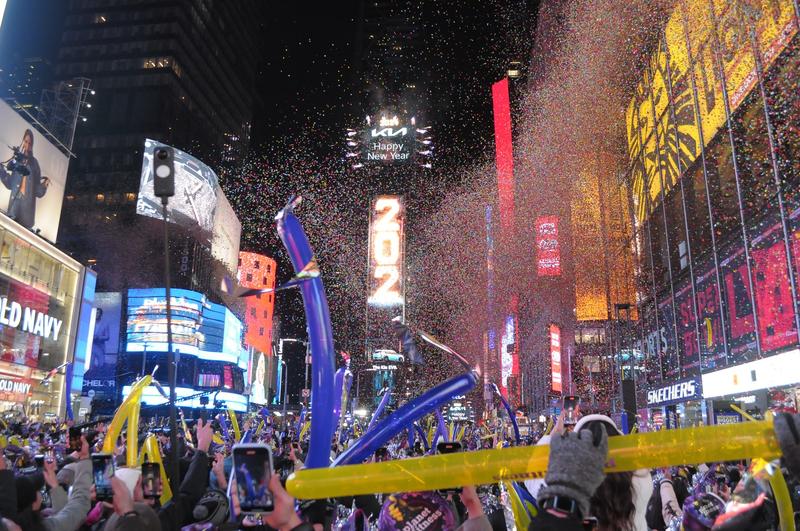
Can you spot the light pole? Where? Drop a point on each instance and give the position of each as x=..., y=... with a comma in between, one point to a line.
x=307, y=360
x=285, y=387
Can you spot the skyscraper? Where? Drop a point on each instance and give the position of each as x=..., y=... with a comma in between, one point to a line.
x=181, y=72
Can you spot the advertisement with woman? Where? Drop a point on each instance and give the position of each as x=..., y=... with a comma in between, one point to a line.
x=33, y=173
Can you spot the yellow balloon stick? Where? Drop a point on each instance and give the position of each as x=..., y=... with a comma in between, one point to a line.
x=122, y=414
x=235, y=423
x=629, y=452
x=151, y=451
x=743, y=413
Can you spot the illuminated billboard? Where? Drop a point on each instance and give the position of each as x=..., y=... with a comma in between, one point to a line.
x=198, y=204
x=33, y=174
x=548, y=255
x=692, y=82
x=555, y=357
x=386, y=251
x=504, y=153
x=199, y=327
x=387, y=139
x=257, y=271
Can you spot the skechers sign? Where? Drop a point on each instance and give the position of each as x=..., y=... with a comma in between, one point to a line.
x=679, y=391
x=13, y=314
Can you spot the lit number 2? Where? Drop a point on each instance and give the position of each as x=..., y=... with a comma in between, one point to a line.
x=386, y=250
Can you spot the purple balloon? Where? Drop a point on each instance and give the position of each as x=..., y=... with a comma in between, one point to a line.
x=320, y=335
x=410, y=411
x=381, y=406
x=511, y=414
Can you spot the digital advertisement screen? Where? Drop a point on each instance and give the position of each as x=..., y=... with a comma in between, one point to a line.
x=258, y=271
x=199, y=327
x=386, y=251
x=548, y=255
x=195, y=200
x=388, y=141
x=33, y=175
x=555, y=357
x=258, y=379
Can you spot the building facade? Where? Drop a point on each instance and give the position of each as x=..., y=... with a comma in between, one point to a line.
x=712, y=139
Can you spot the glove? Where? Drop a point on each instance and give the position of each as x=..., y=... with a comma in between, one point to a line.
x=575, y=468
x=787, y=429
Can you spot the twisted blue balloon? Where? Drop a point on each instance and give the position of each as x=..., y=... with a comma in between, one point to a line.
x=410, y=411
x=381, y=406
x=511, y=414
x=319, y=332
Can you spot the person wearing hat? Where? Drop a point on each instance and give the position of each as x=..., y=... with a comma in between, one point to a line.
x=622, y=498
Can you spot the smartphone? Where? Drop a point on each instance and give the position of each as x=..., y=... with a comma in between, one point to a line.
x=39, y=460
x=103, y=471
x=151, y=480
x=252, y=465
x=449, y=448
x=570, y=405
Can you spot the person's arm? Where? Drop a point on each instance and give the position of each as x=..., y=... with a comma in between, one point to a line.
x=574, y=471
x=36, y=174
x=174, y=514
x=670, y=510
x=129, y=519
x=58, y=496
x=72, y=515
x=477, y=520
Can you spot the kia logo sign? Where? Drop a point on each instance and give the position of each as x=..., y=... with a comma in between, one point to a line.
x=679, y=391
x=389, y=131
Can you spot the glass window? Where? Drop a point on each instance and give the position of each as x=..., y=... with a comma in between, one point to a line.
x=722, y=186
x=676, y=231
x=783, y=98
x=753, y=157
x=697, y=211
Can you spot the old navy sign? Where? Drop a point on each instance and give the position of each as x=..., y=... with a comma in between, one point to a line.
x=14, y=315
x=679, y=391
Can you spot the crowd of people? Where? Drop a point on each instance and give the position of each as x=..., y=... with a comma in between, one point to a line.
x=47, y=483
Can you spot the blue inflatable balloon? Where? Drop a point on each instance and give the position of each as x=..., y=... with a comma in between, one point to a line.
x=441, y=429
x=421, y=434
x=381, y=406
x=410, y=411
x=319, y=331
x=511, y=414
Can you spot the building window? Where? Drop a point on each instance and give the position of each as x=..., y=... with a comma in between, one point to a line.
x=253, y=312
x=100, y=198
x=249, y=277
x=157, y=62
x=256, y=264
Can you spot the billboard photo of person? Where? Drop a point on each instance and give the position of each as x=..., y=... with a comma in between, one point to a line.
x=22, y=175
x=258, y=389
x=102, y=334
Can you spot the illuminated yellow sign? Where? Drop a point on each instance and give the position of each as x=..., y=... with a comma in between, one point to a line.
x=698, y=32
x=386, y=251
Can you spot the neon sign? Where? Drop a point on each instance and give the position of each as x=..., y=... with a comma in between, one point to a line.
x=386, y=252
x=555, y=357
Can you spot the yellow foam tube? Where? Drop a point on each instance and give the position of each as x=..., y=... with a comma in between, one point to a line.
x=151, y=451
x=629, y=452
x=521, y=517
x=235, y=423
x=122, y=414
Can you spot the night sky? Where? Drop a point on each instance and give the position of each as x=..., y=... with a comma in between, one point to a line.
x=309, y=86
